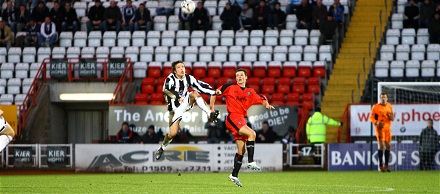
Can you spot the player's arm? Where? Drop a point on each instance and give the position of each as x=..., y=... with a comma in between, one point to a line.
x=1, y=112
x=373, y=115
x=391, y=114
x=201, y=86
x=267, y=105
x=167, y=89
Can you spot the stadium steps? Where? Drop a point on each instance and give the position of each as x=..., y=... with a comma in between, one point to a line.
x=349, y=64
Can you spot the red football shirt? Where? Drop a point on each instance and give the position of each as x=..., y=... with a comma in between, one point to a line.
x=238, y=99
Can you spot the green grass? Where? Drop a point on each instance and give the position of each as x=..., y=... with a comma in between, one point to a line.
x=258, y=182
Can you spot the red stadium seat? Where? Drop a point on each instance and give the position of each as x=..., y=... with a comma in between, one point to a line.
x=268, y=96
x=269, y=80
x=304, y=69
x=141, y=97
x=273, y=71
x=319, y=69
x=284, y=80
x=283, y=88
x=214, y=72
x=298, y=89
x=246, y=66
x=146, y=89
x=299, y=81
x=199, y=72
x=268, y=89
x=219, y=99
x=307, y=104
x=159, y=89
x=148, y=81
x=253, y=81
x=293, y=97
x=278, y=97
x=313, y=81
x=277, y=102
x=156, y=102
x=255, y=87
x=308, y=97
x=259, y=71
x=161, y=81
x=314, y=89
x=154, y=71
x=292, y=103
x=157, y=97
x=167, y=70
x=289, y=69
x=210, y=81
x=141, y=102
x=222, y=81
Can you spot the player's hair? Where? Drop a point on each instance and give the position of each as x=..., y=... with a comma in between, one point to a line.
x=432, y=121
x=241, y=69
x=384, y=93
x=173, y=65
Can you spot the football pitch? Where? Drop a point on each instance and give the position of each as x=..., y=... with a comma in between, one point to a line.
x=253, y=182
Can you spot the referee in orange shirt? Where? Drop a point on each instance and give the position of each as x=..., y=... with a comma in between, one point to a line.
x=382, y=116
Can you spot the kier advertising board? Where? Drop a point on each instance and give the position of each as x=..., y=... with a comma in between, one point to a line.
x=140, y=158
x=409, y=119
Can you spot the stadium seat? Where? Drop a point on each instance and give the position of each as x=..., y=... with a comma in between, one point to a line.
x=132, y=53
x=19, y=98
x=253, y=81
x=265, y=53
x=255, y=87
x=428, y=68
x=223, y=80
x=152, y=5
x=438, y=68
x=148, y=81
x=58, y=52
x=94, y=39
x=242, y=38
x=300, y=89
x=325, y=53
x=402, y=52
x=227, y=38
x=250, y=53
x=102, y=52
x=299, y=81
x=422, y=36
x=433, y=52
x=291, y=22
x=197, y=38
x=173, y=22
x=160, y=23
x=147, y=88
x=190, y=54
x=211, y=6
x=308, y=104
x=138, y=38
x=401, y=5
x=205, y=53
x=315, y=89
x=283, y=88
x=3, y=86
x=289, y=69
x=220, y=53
x=412, y=69
x=418, y=52
x=22, y=70
x=280, y=53
x=14, y=85
x=34, y=69
x=109, y=38
x=66, y=39
x=278, y=99
x=153, y=38
x=269, y=81
x=397, y=69
x=387, y=52
x=408, y=36
x=308, y=97
x=216, y=23
x=295, y=53
x=14, y=55
x=229, y=69
x=140, y=69
x=7, y=70
x=212, y=38
x=256, y=37
x=267, y=89
x=43, y=53
x=235, y=53
x=397, y=21
x=161, y=54
x=392, y=36
x=314, y=80
x=271, y=37
x=210, y=81
x=124, y=38
x=246, y=65
x=214, y=69
x=6, y=99
x=259, y=69
x=3, y=53
x=301, y=37
x=117, y=52
x=286, y=37
x=141, y=98
x=154, y=69
x=319, y=69
x=80, y=8
x=381, y=69
x=310, y=53
x=176, y=53
x=314, y=37
x=146, y=53
x=182, y=38
x=199, y=69
x=274, y=69
x=304, y=69
x=168, y=38
x=73, y=52
x=80, y=39
x=29, y=54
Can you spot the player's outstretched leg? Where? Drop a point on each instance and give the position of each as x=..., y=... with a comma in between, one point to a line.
x=167, y=140
x=235, y=180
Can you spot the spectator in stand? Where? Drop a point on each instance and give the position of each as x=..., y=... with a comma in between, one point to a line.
x=239, y=3
x=57, y=15
x=23, y=17
x=185, y=20
x=165, y=7
x=70, y=19
x=337, y=9
x=291, y=6
x=125, y=134
x=271, y=4
x=328, y=29
x=427, y=10
x=96, y=16
x=434, y=29
x=411, y=15
x=200, y=18
x=261, y=16
x=112, y=17
x=278, y=19
x=304, y=15
x=9, y=15
x=150, y=136
x=266, y=134
x=32, y=33
x=6, y=35
x=128, y=16
x=48, y=34
x=40, y=12
x=246, y=16
x=215, y=129
x=142, y=18
x=319, y=14
x=428, y=146
x=290, y=137
x=229, y=18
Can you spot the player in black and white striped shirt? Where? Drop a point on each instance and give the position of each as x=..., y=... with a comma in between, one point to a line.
x=181, y=100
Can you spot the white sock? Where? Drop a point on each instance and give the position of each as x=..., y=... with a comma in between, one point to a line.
x=4, y=141
x=201, y=103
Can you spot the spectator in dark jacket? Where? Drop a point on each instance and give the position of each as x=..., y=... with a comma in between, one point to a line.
x=427, y=10
x=150, y=136
x=304, y=15
x=319, y=14
x=70, y=19
x=261, y=16
x=229, y=18
x=266, y=134
x=9, y=16
x=337, y=9
x=57, y=15
x=434, y=29
x=278, y=18
x=200, y=18
x=23, y=17
x=411, y=15
x=328, y=29
x=32, y=32
x=428, y=146
x=126, y=135
x=128, y=16
x=142, y=18
x=40, y=13
x=95, y=15
x=185, y=20
x=112, y=17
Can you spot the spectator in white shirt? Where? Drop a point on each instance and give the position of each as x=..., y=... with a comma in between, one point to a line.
x=48, y=33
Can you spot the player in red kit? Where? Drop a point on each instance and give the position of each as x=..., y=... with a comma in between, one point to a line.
x=238, y=100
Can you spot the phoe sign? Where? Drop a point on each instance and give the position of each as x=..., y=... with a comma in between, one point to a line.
x=194, y=120
x=57, y=156
x=58, y=68
x=87, y=68
x=116, y=67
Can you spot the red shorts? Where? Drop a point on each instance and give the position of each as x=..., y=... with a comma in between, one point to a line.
x=234, y=124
